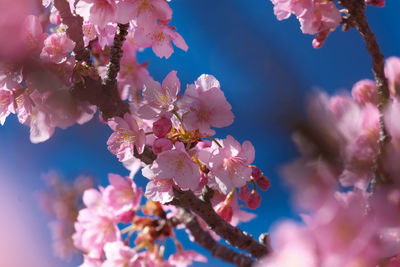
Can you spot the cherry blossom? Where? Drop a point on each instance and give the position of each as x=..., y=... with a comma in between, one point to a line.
x=126, y=137
x=205, y=105
x=175, y=164
x=230, y=164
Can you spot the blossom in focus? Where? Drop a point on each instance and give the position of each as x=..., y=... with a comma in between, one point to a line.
x=205, y=106
x=160, y=98
x=229, y=164
x=97, y=12
x=175, y=164
x=126, y=137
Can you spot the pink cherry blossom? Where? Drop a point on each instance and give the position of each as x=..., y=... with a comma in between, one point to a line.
x=206, y=106
x=93, y=231
x=160, y=98
x=33, y=34
x=294, y=247
x=56, y=48
x=185, y=258
x=159, y=38
x=161, y=145
x=97, y=12
x=122, y=195
x=230, y=164
x=175, y=164
x=119, y=255
x=392, y=72
x=126, y=137
x=323, y=14
x=95, y=225
x=10, y=76
x=364, y=92
x=132, y=76
x=314, y=15
x=144, y=12
x=160, y=190
x=6, y=101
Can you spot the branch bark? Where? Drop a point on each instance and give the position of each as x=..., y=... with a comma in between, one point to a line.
x=74, y=30
x=235, y=236
x=205, y=239
x=91, y=89
x=356, y=18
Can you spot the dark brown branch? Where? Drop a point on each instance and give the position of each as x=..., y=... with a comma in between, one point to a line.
x=91, y=89
x=113, y=66
x=237, y=238
x=205, y=239
x=356, y=18
x=74, y=30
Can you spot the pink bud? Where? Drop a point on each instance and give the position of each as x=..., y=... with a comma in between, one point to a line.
x=378, y=3
x=203, y=180
x=256, y=173
x=126, y=217
x=225, y=211
x=162, y=144
x=364, y=92
x=204, y=144
x=263, y=182
x=162, y=127
x=244, y=193
x=254, y=200
x=320, y=38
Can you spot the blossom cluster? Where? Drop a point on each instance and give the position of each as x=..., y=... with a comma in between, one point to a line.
x=37, y=84
x=344, y=223
x=62, y=201
x=318, y=17
x=42, y=86
x=99, y=235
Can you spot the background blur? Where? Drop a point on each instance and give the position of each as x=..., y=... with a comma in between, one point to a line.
x=266, y=69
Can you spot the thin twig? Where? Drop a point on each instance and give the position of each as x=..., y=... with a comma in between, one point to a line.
x=205, y=239
x=356, y=18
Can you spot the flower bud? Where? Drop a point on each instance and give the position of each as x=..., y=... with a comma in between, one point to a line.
x=378, y=3
x=364, y=92
x=263, y=182
x=162, y=144
x=162, y=127
x=127, y=216
x=244, y=193
x=254, y=200
x=255, y=173
x=224, y=209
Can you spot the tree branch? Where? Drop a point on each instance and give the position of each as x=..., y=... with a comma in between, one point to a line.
x=113, y=66
x=356, y=18
x=74, y=30
x=205, y=239
x=105, y=96
x=236, y=237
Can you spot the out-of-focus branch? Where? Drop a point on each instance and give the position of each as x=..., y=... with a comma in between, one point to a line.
x=205, y=239
x=235, y=236
x=105, y=96
x=74, y=30
x=356, y=18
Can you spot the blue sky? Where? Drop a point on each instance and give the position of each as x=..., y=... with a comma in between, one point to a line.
x=266, y=69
